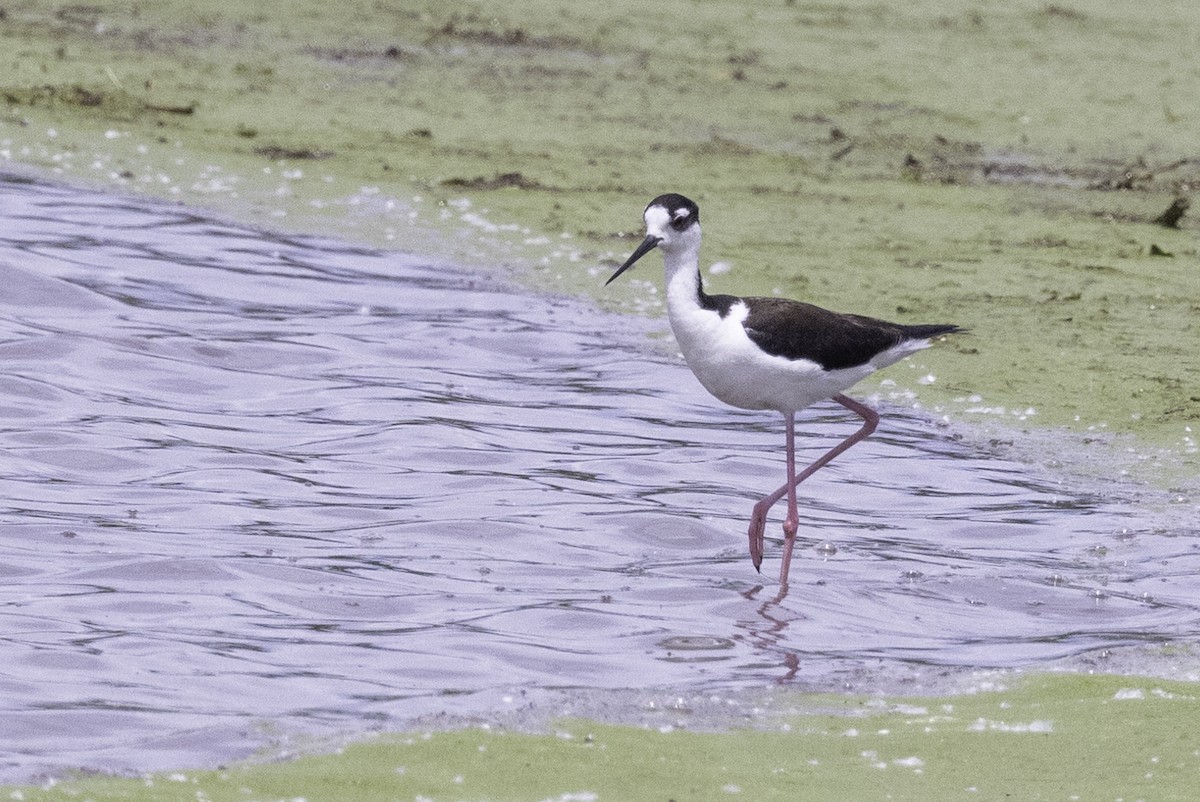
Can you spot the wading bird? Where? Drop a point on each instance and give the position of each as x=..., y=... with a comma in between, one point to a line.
x=769, y=353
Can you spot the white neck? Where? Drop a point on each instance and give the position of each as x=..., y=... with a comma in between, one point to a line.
x=682, y=268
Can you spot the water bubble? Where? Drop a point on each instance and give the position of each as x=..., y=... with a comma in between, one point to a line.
x=826, y=549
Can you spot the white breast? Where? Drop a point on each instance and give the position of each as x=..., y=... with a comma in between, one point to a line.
x=735, y=370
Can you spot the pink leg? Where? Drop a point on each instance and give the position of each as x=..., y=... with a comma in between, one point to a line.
x=758, y=517
x=792, y=522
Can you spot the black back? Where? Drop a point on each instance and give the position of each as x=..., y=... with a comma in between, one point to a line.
x=796, y=330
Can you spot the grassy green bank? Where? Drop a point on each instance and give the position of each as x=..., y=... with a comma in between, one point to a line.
x=995, y=166
x=1054, y=737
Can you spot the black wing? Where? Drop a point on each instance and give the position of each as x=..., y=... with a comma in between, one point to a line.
x=796, y=330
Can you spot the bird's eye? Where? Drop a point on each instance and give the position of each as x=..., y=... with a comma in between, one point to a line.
x=680, y=221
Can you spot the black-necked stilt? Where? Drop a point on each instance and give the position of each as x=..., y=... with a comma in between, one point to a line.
x=769, y=353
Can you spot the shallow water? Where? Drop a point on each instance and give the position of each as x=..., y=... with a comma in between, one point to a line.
x=257, y=484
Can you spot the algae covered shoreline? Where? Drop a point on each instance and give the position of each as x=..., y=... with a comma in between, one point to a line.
x=1065, y=736
x=997, y=168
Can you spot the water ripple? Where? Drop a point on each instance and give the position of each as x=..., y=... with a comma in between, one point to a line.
x=253, y=480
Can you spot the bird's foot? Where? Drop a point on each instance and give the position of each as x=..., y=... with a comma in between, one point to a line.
x=758, y=526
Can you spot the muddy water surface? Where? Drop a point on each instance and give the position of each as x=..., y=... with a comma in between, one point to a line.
x=255, y=485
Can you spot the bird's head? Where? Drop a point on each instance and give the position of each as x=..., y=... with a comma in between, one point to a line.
x=672, y=224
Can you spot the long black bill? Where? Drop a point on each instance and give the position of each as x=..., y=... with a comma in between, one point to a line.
x=648, y=244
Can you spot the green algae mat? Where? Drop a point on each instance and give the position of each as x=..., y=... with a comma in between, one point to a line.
x=1051, y=737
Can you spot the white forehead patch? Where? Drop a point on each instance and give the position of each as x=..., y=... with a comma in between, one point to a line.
x=657, y=218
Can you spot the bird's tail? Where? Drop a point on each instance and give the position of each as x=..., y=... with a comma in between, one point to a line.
x=924, y=331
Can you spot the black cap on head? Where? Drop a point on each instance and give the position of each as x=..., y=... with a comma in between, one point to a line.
x=684, y=211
